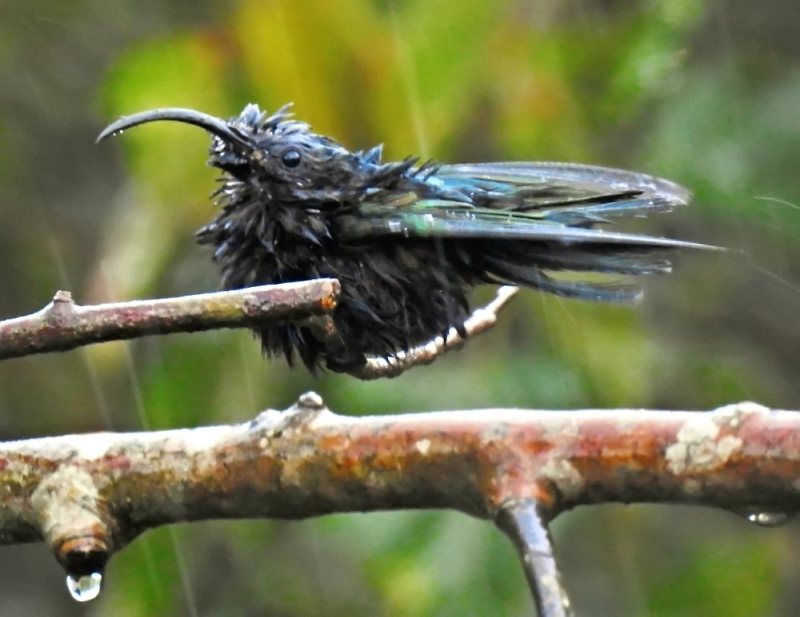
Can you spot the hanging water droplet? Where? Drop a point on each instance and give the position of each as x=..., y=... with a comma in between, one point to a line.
x=766, y=518
x=85, y=588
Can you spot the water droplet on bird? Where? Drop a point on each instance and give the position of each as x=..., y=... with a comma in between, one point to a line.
x=85, y=588
x=767, y=518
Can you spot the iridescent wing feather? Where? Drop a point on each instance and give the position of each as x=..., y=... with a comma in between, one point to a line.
x=546, y=216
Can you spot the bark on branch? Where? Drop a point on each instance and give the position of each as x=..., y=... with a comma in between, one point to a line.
x=87, y=496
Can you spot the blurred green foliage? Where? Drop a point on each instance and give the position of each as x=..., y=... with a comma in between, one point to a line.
x=672, y=87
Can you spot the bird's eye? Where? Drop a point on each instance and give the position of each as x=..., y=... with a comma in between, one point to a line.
x=291, y=158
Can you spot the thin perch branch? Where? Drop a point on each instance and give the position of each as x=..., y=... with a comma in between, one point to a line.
x=64, y=325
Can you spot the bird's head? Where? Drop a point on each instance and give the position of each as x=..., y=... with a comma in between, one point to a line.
x=280, y=157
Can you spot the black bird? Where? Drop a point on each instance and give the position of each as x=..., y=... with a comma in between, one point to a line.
x=408, y=241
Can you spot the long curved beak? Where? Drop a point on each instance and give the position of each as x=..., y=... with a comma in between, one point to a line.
x=213, y=125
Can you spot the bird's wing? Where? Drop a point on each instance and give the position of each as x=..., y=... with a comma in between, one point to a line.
x=564, y=178
x=583, y=194
x=522, y=221
x=538, y=202
x=438, y=218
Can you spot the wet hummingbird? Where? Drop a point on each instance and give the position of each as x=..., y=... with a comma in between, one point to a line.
x=408, y=241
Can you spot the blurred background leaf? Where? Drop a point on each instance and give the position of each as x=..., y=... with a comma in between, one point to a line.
x=703, y=92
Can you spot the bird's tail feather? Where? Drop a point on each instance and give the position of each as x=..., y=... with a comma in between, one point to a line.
x=532, y=276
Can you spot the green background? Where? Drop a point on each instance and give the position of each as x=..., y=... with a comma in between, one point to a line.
x=704, y=93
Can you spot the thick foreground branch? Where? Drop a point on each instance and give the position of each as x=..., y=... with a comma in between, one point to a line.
x=87, y=496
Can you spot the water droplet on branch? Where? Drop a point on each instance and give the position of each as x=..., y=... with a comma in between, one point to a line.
x=767, y=518
x=85, y=588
